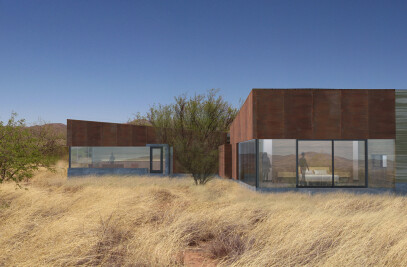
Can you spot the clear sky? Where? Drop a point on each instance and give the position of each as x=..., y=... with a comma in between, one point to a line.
x=105, y=60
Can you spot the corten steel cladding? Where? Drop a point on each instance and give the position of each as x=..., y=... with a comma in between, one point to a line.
x=326, y=114
x=91, y=133
x=242, y=127
x=298, y=111
x=382, y=122
x=314, y=114
x=225, y=161
x=355, y=114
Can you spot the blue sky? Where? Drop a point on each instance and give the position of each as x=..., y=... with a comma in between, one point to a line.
x=105, y=60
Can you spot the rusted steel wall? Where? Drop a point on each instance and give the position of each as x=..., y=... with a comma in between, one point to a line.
x=225, y=161
x=355, y=114
x=92, y=133
x=242, y=127
x=323, y=114
x=382, y=114
x=314, y=114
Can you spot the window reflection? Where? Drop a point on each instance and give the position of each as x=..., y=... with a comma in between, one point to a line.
x=381, y=155
x=110, y=157
x=315, y=163
x=349, y=163
x=247, y=162
x=277, y=163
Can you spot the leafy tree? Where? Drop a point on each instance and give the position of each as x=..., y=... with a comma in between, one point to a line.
x=139, y=120
x=24, y=150
x=195, y=127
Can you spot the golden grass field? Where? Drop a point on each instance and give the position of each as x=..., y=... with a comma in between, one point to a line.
x=145, y=221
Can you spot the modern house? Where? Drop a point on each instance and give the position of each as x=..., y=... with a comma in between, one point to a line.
x=281, y=139
x=292, y=139
x=98, y=148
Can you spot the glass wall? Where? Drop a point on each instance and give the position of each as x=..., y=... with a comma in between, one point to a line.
x=315, y=163
x=110, y=157
x=381, y=156
x=349, y=163
x=277, y=163
x=247, y=162
x=321, y=163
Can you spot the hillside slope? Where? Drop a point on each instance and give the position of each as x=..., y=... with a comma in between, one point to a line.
x=159, y=222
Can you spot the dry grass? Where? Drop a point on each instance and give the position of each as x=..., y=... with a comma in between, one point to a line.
x=154, y=221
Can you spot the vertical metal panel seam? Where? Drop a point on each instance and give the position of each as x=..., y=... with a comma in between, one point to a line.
x=368, y=114
x=312, y=114
x=254, y=113
x=340, y=118
x=284, y=123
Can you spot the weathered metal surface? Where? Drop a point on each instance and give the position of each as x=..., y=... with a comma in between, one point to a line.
x=90, y=133
x=298, y=112
x=382, y=119
x=242, y=127
x=269, y=113
x=94, y=133
x=225, y=161
x=79, y=133
x=109, y=134
x=139, y=136
x=151, y=136
x=316, y=114
x=326, y=114
x=69, y=133
x=124, y=134
x=355, y=114
x=401, y=136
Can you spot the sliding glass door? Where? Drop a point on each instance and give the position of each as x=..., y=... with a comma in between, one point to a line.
x=331, y=163
x=314, y=163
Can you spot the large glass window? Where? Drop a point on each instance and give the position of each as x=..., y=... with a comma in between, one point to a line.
x=315, y=163
x=349, y=163
x=110, y=157
x=247, y=162
x=320, y=163
x=381, y=155
x=277, y=163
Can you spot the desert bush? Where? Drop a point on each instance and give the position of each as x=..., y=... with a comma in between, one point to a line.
x=195, y=127
x=23, y=151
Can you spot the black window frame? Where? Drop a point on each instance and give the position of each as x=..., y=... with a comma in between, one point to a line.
x=333, y=164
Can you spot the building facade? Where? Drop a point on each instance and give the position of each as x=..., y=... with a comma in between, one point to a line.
x=101, y=148
x=281, y=140
x=97, y=148
x=285, y=139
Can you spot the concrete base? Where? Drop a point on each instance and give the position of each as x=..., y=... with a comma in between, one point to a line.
x=401, y=188
x=75, y=172
x=311, y=191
